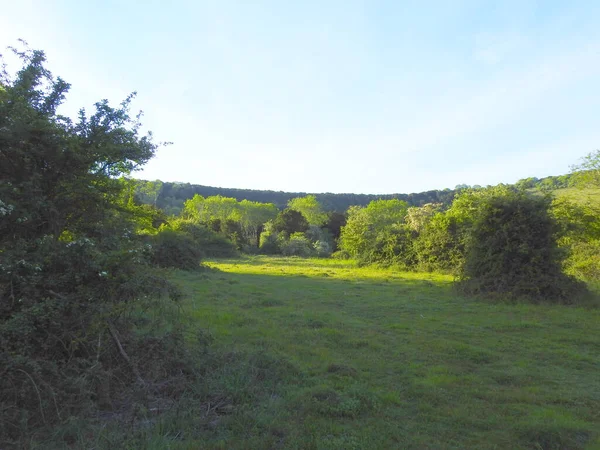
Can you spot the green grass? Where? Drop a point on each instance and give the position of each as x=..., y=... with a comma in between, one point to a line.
x=319, y=354
x=580, y=195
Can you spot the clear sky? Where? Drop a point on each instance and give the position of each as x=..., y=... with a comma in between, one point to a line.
x=335, y=96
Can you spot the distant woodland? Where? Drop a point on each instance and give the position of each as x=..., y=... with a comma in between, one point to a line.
x=170, y=197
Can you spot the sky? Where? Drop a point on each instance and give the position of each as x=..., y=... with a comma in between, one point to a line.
x=354, y=96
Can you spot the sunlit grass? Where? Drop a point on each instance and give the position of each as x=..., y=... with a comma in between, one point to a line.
x=373, y=358
x=580, y=195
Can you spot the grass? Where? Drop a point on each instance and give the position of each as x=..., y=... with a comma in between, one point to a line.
x=319, y=354
x=579, y=195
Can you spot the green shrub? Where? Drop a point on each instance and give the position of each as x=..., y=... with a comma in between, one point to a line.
x=512, y=252
x=394, y=246
x=171, y=248
x=341, y=254
x=360, y=234
x=440, y=245
x=297, y=245
x=210, y=243
x=269, y=243
x=322, y=248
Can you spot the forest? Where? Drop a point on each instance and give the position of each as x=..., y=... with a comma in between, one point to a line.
x=170, y=197
x=143, y=314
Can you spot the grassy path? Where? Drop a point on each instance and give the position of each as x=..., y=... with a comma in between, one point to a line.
x=338, y=357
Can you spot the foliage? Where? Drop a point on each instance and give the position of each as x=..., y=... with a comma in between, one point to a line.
x=335, y=222
x=579, y=233
x=310, y=208
x=322, y=248
x=73, y=266
x=512, y=252
x=210, y=243
x=417, y=218
x=268, y=244
x=440, y=245
x=241, y=221
x=359, y=236
x=290, y=221
x=297, y=245
x=172, y=197
x=148, y=192
x=175, y=249
x=587, y=172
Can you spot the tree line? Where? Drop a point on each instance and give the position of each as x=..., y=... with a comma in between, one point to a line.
x=171, y=197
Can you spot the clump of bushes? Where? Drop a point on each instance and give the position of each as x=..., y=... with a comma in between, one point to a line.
x=282, y=237
x=182, y=243
x=297, y=245
x=499, y=242
x=210, y=243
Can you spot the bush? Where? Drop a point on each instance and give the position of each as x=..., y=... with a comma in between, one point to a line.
x=210, y=243
x=269, y=243
x=297, y=245
x=512, y=252
x=359, y=235
x=322, y=248
x=394, y=246
x=440, y=245
x=171, y=248
x=341, y=254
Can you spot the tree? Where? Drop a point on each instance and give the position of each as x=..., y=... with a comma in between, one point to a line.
x=526, y=183
x=253, y=216
x=335, y=222
x=310, y=208
x=587, y=172
x=290, y=221
x=359, y=235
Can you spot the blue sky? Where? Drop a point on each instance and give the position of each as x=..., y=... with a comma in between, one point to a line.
x=336, y=96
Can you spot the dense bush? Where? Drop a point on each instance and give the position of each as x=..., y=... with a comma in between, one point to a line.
x=290, y=221
x=440, y=245
x=210, y=243
x=512, y=252
x=175, y=249
x=297, y=245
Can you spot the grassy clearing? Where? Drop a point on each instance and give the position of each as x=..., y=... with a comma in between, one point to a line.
x=318, y=354
x=586, y=195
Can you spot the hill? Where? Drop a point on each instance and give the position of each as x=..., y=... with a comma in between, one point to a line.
x=171, y=196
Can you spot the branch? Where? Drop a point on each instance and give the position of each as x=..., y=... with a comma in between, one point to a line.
x=38, y=394
x=124, y=354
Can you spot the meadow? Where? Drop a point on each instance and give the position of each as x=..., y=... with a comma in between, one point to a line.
x=321, y=354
